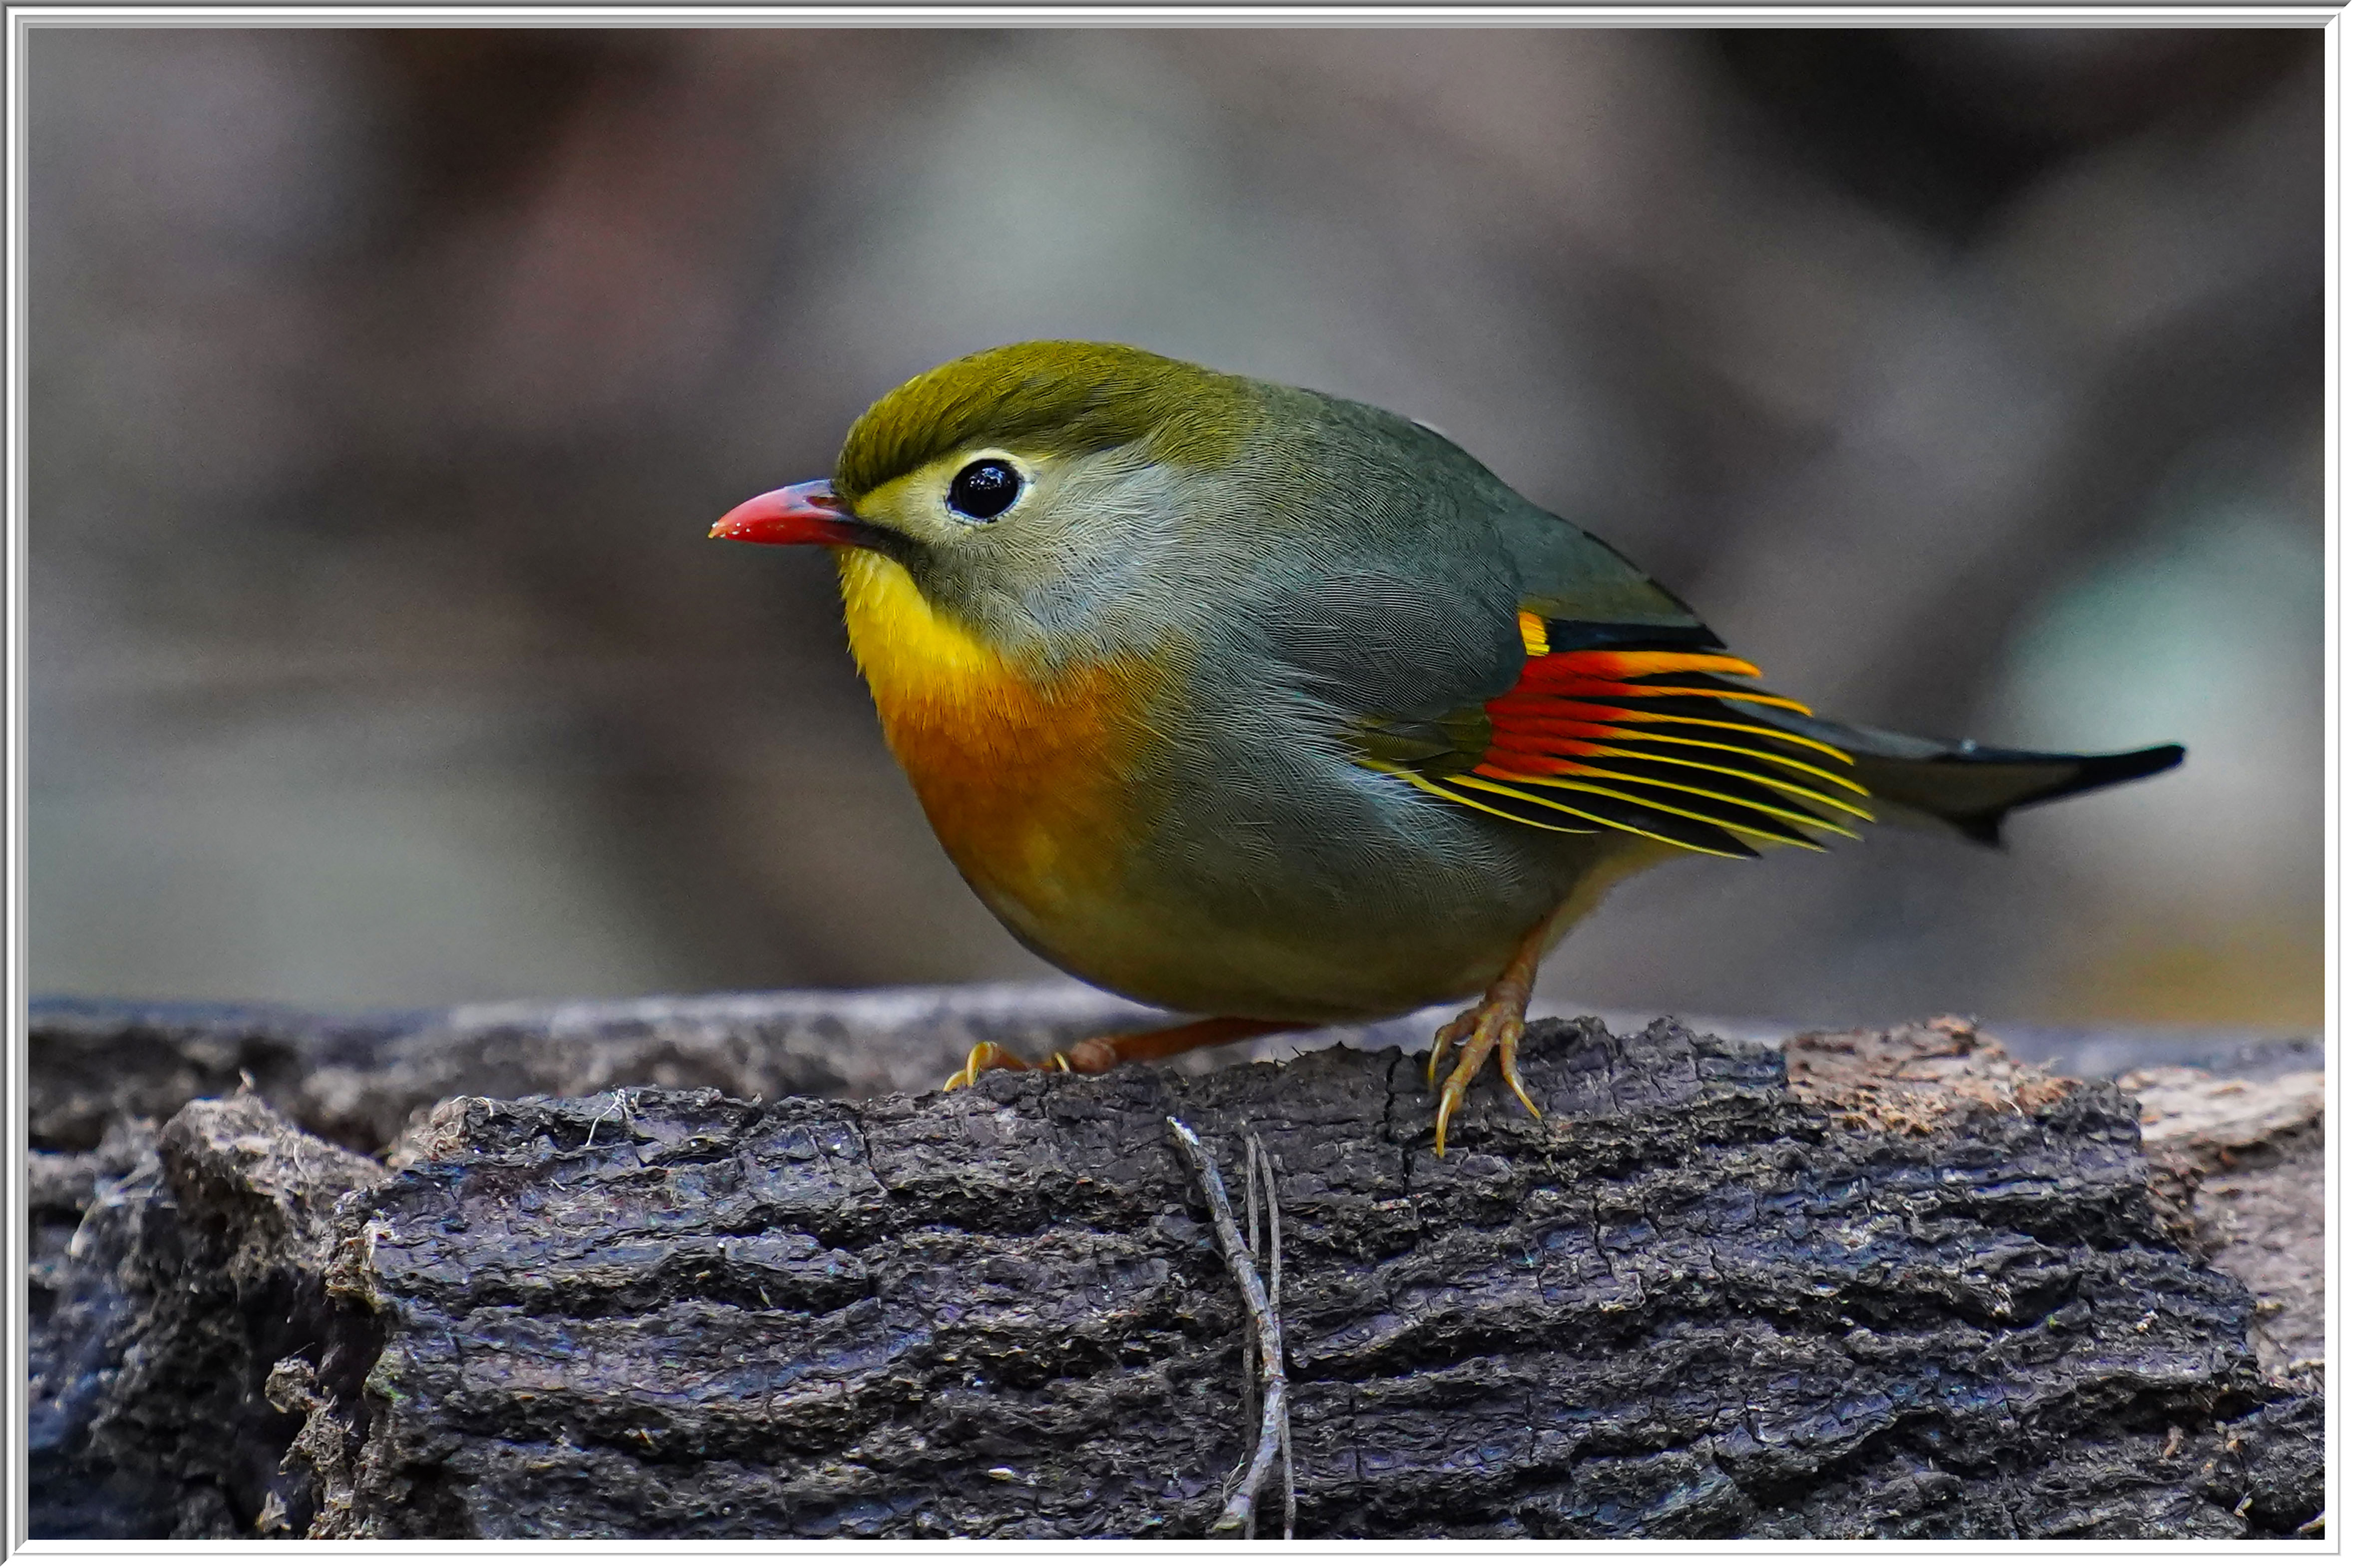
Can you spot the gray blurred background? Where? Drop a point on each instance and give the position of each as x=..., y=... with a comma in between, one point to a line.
x=383, y=383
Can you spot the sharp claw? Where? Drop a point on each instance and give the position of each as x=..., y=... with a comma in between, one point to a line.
x=1062, y=1063
x=983, y=1058
x=1512, y=1077
x=1446, y=1105
x=1449, y=1036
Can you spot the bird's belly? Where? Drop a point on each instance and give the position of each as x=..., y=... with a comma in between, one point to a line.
x=1330, y=974
x=1169, y=893
x=1355, y=898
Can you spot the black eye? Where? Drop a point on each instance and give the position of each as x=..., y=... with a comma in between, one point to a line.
x=983, y=489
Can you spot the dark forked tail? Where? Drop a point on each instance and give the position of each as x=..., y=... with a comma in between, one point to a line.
x=1961, y=786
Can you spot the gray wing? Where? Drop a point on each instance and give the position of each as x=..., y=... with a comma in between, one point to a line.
x=1403, y=600
x=1382, y=578
x=1446, y=591
x=1569, y=576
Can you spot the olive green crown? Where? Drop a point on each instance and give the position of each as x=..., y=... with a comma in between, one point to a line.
x=1066, y=398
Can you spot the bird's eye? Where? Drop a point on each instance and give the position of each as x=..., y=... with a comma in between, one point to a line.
x=983, y=489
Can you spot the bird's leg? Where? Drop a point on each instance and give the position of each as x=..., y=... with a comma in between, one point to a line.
x=1104, y=1052
x=1492, y=1026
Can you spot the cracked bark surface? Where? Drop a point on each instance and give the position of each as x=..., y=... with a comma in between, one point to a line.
x=1888, y=1284
x=2244, y=1168
x=185, y=1281
x=362, y=1079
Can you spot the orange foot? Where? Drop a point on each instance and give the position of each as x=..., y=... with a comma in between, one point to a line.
x=1104, y=1052
x=1493, y=1027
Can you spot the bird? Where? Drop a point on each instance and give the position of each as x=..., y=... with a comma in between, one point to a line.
x=1278, y=709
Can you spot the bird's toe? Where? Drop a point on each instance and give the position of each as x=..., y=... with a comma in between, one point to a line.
x=986, y=1057
x=1508, y=1058
x=1465, y=1024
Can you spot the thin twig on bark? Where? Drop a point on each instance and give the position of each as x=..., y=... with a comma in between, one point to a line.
x=1262, y=1163
x=1241, y=1507
x=1250, y=1341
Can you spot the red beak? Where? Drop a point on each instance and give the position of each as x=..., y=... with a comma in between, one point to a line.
x=798, y=514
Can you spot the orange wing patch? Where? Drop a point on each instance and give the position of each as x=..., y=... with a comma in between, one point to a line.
x=1659, y=741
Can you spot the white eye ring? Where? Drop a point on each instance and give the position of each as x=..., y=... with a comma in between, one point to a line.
x=986, y=488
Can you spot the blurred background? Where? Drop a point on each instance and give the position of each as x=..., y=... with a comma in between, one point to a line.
x=384, y=385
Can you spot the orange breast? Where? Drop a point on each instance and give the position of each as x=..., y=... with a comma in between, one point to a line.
x=1026, y=778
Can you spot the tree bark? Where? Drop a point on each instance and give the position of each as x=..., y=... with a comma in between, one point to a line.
x=1879, y=1285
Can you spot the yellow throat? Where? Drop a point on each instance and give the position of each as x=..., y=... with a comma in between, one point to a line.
x=1024, y=776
